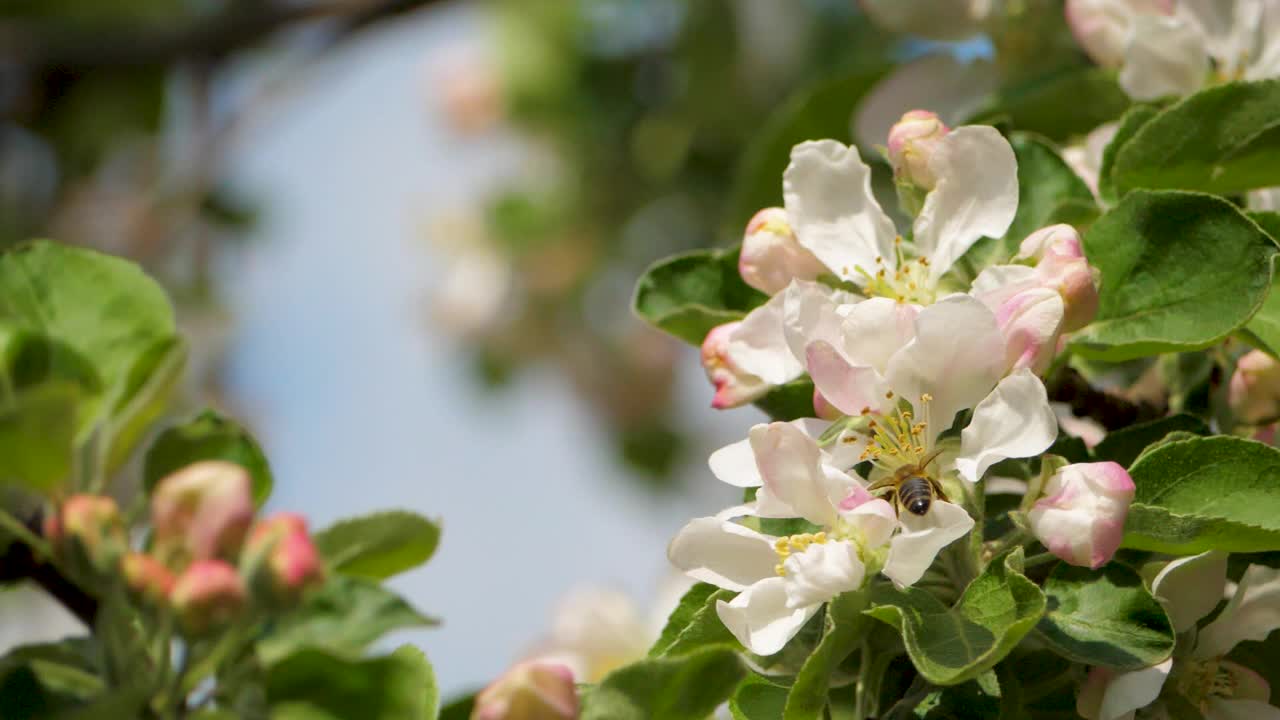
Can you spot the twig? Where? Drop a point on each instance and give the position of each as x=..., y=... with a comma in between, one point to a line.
x=27, y=559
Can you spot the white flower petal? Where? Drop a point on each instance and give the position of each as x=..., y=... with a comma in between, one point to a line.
x=812, y=311
x=1015, y=420
x=821, y=572
x=759, y=344
x=735, y=464
x=996, y=284
x=850, y=388
x=1129, y=691
x=875, y=519
x=956, y=357
x=760, y=619
x=1249, y=684
x=1251, y=614
x=912, y=550
x=976, y=195
x=723, y=553
x=796, y=481
x=1165, y=56
x=1223, y=709
x=874, y=330
x=827, y=192
x=1191, y=587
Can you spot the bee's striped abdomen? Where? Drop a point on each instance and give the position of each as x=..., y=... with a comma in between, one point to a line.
x=916, y=495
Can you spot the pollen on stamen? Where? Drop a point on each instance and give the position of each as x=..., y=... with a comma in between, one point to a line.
x=889, y=395
x=926, y=397
x=780, y=569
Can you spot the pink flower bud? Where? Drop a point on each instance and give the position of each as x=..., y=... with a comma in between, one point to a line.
x=280, y=560
x=771, y=255
x=89, y=529
x=202, y=512
x=147, y=578
x=1081, y=516
x=1254, y=391
x=1031, y=321
x=532, y=690
x=1063, y=267
x=912, y=142
x=207, y=596
x=734, y=386
x=1101, y=27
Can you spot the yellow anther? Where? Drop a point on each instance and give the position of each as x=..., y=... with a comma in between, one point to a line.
x=820, y=537
x=926, y=397
x=780, y=569
x=783, y=546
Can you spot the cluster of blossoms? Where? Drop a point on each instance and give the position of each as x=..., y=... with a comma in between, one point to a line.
x=897, y=348
x=208, y=560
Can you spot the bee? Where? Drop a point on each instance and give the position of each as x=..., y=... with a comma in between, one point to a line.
x=910, y=487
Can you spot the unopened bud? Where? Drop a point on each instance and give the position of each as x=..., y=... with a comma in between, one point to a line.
x=147, y=578
x=281, y=561
x=207, y=596
x=1254, y=391
x=1081, y=516
x=912, y=143
x=202, y=512
x=531, y=690
x=88, y=530
x=1031, y=321
x=771, y=255
x=1063, y=267
x=734, y=386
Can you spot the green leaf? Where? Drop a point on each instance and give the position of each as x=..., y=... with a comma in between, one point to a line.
x=105, y=308
x=344, y=617
x=1265, y=325
x=1133, y=120
x=694, y=623
x=1180, y=271
x=37, y=437
x=1045, y=184
x=788, y=402
x=820, y=110
x=688, y=687
x=758, y=699
x=1198, y=494
x=1051, y=104
x=207, y=436
x=379, y=545
x=687, y=295
x=952, y=645
x=1126, y=444
x=1105, y=617
x=844, y=629
x=145, y=397
x=314, y=684
x=68, y=667
x=458, y=708
x=1221, y=140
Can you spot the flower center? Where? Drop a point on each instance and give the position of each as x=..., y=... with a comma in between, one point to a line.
x=1206, y=679
x=908, y=283
x=900, y=438
x=795, y=544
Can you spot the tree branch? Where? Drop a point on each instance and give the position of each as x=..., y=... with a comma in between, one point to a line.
x=239, y=26
x=1112, y=411
x=19, y=562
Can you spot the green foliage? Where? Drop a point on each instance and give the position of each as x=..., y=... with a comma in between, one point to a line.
x=951, y=645
x=1166, y=259
x=1046, y=186
x=788, y=402
x=1203, y=494
x=842, y=631
x=1123, y=446
x=1133, y=120
x=694, y=623
x=1104, y=617
x=344, y=617
x=207, y=436
x=37, y=437
x=758, y=699
x=687, y=687
x=379, y=545
x=313, y=684
x=688, y=295
x=1051, y=104
x=1221, y=140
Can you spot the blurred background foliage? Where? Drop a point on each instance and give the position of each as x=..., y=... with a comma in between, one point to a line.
x=651, y=127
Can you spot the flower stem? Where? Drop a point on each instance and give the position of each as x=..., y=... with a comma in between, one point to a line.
x=1040, y=559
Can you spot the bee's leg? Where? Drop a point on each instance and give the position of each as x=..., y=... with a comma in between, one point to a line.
x=937, y=490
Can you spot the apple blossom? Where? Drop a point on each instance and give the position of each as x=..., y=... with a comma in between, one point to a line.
x=912, y=143
x=1191, y=588
x=771, y=257
x=202, y=512
x=1166, y=48
x=280, y=561
x=1080, y=517
x=147, y=578
x=531, y=690
x=1254, y=391
x=207, y=596
x=595, y=631
x=734, y=386
x=783, y=581
x=88, y=530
